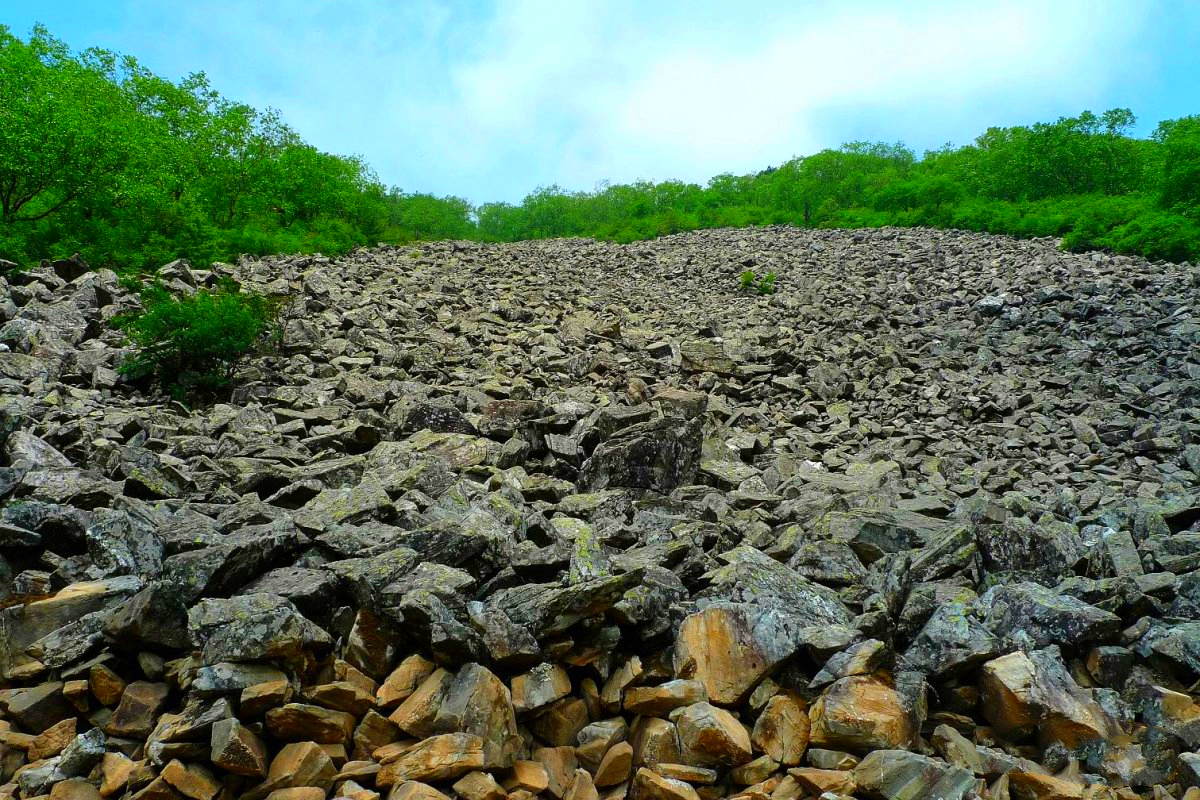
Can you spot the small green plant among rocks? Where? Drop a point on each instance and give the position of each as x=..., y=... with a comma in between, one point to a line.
x=191, y=344
x=763, y=285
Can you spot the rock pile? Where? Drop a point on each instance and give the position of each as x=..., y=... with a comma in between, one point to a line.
x=573, y=520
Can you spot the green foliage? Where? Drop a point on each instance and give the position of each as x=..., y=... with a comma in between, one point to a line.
x=763, y=285
x=191, y=344
x=100, y=156
x=1082, y=178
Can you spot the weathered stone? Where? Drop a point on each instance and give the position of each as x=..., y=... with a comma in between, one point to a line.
x=300, y=722
x=782, y=729
x=900, y=775
x=235, y=748
x=713, y=736
x=861, y=712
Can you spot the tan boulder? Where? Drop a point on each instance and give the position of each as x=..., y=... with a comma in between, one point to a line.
x=654, y=740
x=819, y=781
x=658, y=701
x=1021, y=693
x=560, y=765
x=528, y=775
x=754, y=772
x=615, y=766
x=712, y=736
x=415, y=790
x=260, y=698
x=191, y=780
x=720, y=648
x=652, y=786
x=582, y=787
x=559, y=724
x=74, y=789
x=442, y=757
x=1032, y=786
x=782, y=729
x=861, y=712
x=302, y=764
x=301, y=722
x=235, y=748
x=51, y=741
x=403, y=681
x=137, y=713
x=106, y=686
x=348, y=696
x=297, y=793
x=115, y=771
x=479, y=786
x=538, y=688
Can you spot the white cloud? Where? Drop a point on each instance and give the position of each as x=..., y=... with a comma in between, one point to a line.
x=622, y=102
x=489, y=102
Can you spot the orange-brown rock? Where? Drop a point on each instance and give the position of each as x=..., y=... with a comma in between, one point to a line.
x=260, y=698
x=302, y=764
x=106, y=685
x=192, y=780
x=712, y=736
x=1023, y=692
x=115, y=770
x=560, y=765
x=719, y=647
x=443, y=757
x=528, y=775
x=539, y=687
x=51, y=741
x=301, y=722
x=615, y=766
x=478, y=785
x=137, y=713
x=654, y=740
x=782, y=729
x=403, y=681
x=297, y=793
x=651, y=785
x=74, y=789
x=582, y=787
x=658, y=701
x=415, y=790
x=234, y=748
x=861, y=712
x=559, y=724
x=1031, y=786
x=819, y=781
x=78, y=694
x=353, y=698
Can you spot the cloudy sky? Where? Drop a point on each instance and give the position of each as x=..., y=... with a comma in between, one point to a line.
x=488, y=100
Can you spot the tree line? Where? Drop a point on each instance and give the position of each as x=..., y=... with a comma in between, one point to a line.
x=100, y=156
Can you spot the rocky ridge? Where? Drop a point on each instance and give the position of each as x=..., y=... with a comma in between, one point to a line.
x=574, y=520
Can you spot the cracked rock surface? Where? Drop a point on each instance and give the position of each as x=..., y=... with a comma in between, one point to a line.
x=572, y=520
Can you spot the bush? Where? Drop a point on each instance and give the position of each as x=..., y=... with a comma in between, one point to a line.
x=192, y=344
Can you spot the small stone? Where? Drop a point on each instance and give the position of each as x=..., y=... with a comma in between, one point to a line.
x=782, y=729
x=106, y=685
x=138, y=711
x=653, y=786
x=528, y=775
x=615, y=766
x=860, y=712
x=478, y=786
x=193, y=780
x=403, y=681
x=437, y=758
x=235, y=748
x=302, y=764
x=713, y=736
x=658, y=701
x=52, y=741
x=300, y=722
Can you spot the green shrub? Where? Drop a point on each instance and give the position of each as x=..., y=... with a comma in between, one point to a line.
x=192, y=344
x=746, y=279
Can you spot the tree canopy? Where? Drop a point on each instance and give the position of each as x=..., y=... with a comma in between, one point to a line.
x=100, y=156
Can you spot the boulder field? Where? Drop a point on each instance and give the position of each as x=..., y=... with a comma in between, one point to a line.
x=575, y=520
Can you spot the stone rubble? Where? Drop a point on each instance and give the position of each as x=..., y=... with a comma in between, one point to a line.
x=573, y=520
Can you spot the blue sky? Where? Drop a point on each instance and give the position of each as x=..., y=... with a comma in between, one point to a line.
x=488, y=100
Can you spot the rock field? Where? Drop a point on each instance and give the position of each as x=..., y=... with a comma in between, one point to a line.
x=574, y=520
